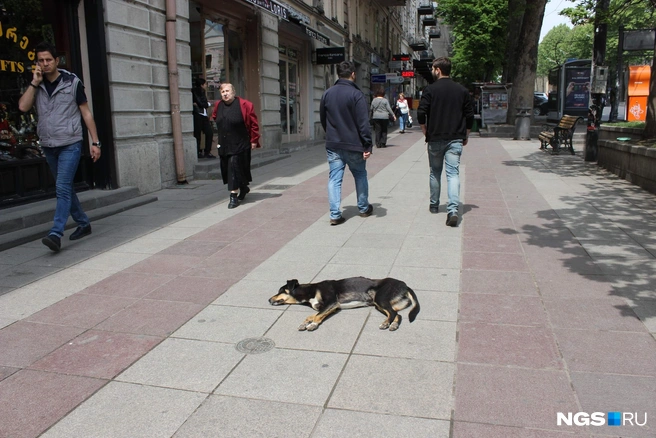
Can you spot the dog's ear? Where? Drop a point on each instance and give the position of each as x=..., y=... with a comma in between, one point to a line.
x=292, y=284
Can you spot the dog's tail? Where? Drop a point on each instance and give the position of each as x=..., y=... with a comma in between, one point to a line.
x=415, y=305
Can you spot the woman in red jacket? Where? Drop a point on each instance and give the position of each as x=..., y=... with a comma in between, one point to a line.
x=238, y=131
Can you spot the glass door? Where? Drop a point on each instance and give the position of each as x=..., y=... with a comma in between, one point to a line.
x=289, y=101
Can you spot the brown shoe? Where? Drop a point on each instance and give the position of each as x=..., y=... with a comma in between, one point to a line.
x=338, y=221
x=368, y=211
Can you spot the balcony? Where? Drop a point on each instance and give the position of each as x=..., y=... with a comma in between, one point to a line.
x=429, y=21
x=391, y=2
x=434, y=32
x=426, y=9
x=418, y=44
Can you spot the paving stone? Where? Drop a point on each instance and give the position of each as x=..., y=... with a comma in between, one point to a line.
x=125, y=409
x=184, y=364
x=502, y=309
x=127, y=284
x=612, y=313
x=483, y=430
x=498, y=282
x=234, y=417
x=42, y=399
x=422, y=388
x=197, y=290
x=80, y=310
x=336, y=423
x=437, y=306
x=291, y=376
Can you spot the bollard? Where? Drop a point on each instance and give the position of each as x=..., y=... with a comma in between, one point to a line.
x=523, y=124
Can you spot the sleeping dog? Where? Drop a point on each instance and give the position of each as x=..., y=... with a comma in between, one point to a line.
x=388, y=295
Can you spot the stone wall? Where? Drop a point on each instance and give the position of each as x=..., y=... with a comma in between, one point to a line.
x=138, y=74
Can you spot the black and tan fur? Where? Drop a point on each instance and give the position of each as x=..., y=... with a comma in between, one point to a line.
x=388, y=295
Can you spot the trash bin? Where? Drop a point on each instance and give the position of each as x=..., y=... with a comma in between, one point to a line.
x=523, y=124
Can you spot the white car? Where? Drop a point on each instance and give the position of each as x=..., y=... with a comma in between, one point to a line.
x=543, y=95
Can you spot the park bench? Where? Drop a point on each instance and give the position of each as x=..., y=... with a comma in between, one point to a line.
x=559, y=135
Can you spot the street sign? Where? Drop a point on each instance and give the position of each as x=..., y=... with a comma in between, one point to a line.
x=389, y=76
x=378, y=79
x=396, y=80
x=393, y=65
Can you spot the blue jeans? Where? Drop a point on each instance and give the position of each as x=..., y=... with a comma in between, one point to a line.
x=403, y=121
x=63, y=163
x=337, y=161
x=439, y=153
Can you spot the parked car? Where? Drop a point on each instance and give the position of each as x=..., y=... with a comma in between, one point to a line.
x=540, y=105
x=538, y=94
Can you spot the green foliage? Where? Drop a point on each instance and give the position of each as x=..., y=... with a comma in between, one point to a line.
x=479, y=31
x=562, y=43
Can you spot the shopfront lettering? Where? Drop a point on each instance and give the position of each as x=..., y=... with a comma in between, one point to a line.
x=12, y=66
x=271, y=6
x=316, y=35
x=10, y=34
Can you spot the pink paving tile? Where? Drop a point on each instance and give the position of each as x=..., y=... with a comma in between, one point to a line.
x=611, y=313
x=609, y=392
x=230, y=271
x=505, y=244
x=489, y=261
x=163, y=264
x=608, y=352
x=498, y=282
x=217, y=233
x=499, y=213
x=129, y=285
x=502, y=309
x=97, y=354
x=199, y=290
x=6, y=372
x=194, y=248
x=522, y=346
x=511, y=396
x=32, y=401
x=478, y=430
x=151, y=317
x=24, y=342
x=573, y=285
x=81, y=310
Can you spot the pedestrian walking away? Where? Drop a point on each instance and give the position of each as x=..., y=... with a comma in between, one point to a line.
x=446, y=116
x=404, y=112
x=380, y=112
x=61, y=103
x=344, y=116
x=201, y=119
x=238, y=133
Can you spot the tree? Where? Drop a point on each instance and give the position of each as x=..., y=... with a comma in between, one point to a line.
x=479, y=30
x=562, y=43
x=526, y=56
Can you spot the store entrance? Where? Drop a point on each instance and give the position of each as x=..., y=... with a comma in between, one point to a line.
x=290, y=106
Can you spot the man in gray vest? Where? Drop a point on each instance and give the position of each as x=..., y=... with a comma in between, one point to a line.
x=61, y=104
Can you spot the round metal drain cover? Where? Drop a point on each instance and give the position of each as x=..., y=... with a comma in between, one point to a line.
x=255, y=345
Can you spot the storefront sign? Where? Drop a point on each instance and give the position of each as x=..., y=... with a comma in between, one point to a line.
x=408, y=73
x=14, y=66
x=316, y=35
x=378, y=79
x=375, y=59
x=393, y=65
x=330, y=55
x=271, y=6
x=401, y=57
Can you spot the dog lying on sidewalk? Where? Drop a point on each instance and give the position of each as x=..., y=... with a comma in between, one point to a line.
x=388, y=295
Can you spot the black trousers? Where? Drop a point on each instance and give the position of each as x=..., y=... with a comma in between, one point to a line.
x=380, y=127
x=236, y=170
x=202, y=124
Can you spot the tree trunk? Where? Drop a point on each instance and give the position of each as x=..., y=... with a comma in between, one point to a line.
x=515, y=17
x=650, y=125
x=521, y=95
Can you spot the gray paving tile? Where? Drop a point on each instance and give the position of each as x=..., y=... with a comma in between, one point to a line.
x=20, y=254
x=62, y=259
x=421, y=388
x=232, y=417
x=335, y=271
x=292, y=376
x=21, y=275
x=336, y=423
x=437, y=306
x=228, y=324
x=250, y=293
x=336, y=334
x=646, y=311
x=441, y=280
x=421, y=339
x=184, y=364
x=305, y=253
x=124, y=409
x=365, y=256
x=281, y=271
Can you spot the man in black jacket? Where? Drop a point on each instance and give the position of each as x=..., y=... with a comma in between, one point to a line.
x=345, y=118
x=446, y=116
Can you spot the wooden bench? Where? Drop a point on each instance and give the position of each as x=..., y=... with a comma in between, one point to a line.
x=560, y=135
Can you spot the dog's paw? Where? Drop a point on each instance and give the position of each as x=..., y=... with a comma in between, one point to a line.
x=384, y=326
x=312, y=326
x=394, y=326
x=303, y=327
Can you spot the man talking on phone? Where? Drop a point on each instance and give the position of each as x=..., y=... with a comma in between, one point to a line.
x=61, y=104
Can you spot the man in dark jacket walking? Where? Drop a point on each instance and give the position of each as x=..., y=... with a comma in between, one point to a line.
x=345, y=118
x=446, y=116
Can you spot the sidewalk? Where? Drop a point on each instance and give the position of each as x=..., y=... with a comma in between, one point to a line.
x=158, y=325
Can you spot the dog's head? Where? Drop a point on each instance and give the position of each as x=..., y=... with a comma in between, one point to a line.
x=286, y=295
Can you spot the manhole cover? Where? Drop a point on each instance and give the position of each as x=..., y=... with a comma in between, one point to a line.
x=255, y=345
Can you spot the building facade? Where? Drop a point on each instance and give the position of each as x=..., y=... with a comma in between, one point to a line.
x=138, y=60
